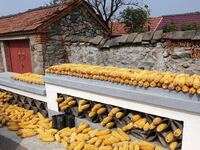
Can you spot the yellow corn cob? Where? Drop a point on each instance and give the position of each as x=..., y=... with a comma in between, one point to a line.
x=110, y=125
x=146, y=127
x=92, y=114
x=116, y=147
x=92, y=140
x=90, y=147
x=196, y=83
x=122, y=133
x=158, y=148
x=119, y=115
x=96, y=107
x=82, y=102
x=192, y=90
x=177, y=132
x=106, y=120
x=58, y=138
x=157, y=121
x=128, y=126
x=173, y=145
x=135, y=118
x=86, y=130
x=28, y=134
x=60, y=99
x=185, y=89
x=72, y=103
x=82, y=127
x=103, y=132
x=161, y=127
x=105, y=148
x=64, y=143
x=169, y=137
x=117, y=135
x=98, y=142
x=101, y=111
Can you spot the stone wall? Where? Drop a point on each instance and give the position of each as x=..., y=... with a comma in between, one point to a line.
x=151, y=58
x=37, y=46
x=78, y=24
x=136, y=51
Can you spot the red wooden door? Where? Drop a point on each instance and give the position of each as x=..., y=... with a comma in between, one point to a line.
x=19, y=56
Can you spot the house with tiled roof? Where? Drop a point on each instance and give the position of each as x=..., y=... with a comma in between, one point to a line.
x=158, y=23
x=179, y=19
x=35, y=39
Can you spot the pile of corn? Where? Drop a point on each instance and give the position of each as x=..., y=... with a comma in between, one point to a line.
x=24, y=122
x=5, y=97
x=84, y=137
x=30, y=78
x=27, y=124
x=142, y=78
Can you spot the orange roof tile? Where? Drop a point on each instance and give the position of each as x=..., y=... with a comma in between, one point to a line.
x=33, y=20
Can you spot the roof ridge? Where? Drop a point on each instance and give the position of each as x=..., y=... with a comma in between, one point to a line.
x=183, y=14
x=33, y=9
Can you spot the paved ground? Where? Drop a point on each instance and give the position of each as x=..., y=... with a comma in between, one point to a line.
x=10, y=141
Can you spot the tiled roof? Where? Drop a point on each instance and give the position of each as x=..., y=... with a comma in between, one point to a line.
x=153, y=23
x=157, y=23
x=33, y=20
x=180, y=19
x=118, y=28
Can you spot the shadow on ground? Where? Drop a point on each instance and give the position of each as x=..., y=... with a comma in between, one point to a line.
x=7, y=144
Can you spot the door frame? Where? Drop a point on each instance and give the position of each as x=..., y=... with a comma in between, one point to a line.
x=5, y=50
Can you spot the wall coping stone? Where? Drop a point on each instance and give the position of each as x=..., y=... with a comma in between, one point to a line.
x=146, y=38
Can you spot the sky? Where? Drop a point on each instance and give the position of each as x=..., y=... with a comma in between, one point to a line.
x=157, y=7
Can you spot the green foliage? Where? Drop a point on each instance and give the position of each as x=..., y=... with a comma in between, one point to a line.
x=170, y=27
x=190, y=26
x=134, y=19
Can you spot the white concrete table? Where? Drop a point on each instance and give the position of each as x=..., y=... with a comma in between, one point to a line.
x=164, y=103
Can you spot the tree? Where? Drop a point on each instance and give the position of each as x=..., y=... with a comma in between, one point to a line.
x=107, y=9
x=134, y=19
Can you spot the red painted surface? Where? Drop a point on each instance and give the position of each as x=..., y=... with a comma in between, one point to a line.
x=19, y=56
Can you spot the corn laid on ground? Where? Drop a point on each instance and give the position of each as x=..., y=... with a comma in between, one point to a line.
x=26, y=124
x=142, y=78
x=30, y=78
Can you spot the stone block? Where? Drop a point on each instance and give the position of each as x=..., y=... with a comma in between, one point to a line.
x=157, y=35
x=179, y=53
x=111, y=43
x=131, y=37
x=103, y=41
x=123, y=39
x=139, y=38
x=196, y=36
x=147, y=36
x=96, y=40
x=183, y=35
x=167, y=35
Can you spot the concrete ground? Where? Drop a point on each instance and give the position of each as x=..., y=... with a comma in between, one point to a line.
x=10, y=141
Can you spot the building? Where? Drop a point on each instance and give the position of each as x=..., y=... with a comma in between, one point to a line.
x=34, y=40
x=158, y=23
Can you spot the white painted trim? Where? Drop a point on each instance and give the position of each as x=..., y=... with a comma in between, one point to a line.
x=3, y=55
x=14, y=38
x=27, y=94
x=191, y=120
